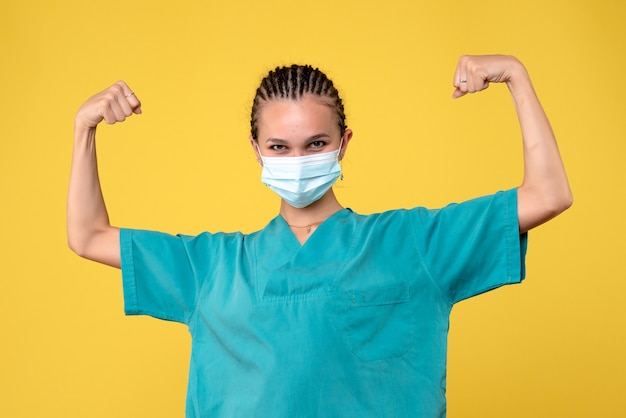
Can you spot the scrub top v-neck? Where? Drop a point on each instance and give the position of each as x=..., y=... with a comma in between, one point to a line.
x=284, y=269
x=353, y=323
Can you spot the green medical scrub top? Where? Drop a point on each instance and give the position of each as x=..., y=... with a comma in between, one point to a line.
x=353, y=323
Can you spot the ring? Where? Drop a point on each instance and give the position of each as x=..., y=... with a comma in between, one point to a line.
x=130, y=94
x=462, y=81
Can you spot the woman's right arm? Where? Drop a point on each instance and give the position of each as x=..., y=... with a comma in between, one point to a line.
x=89, y=232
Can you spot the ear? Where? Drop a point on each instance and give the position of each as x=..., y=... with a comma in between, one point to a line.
x=256, y=150
x=347, y=136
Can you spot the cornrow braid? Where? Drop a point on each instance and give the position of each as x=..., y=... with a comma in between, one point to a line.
x=292, y=83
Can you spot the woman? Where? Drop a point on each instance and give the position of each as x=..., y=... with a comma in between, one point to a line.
x=324, y=312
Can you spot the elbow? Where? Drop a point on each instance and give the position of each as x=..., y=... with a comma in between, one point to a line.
x=557, y=204
x=76, y=245
x=564, y=201
x=79, y=240
x=569, y=202
x=535, y=209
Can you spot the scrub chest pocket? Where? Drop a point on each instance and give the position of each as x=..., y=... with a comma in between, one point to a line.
x=379, y=322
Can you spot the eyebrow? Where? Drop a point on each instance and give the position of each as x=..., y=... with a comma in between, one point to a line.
x=284, y=142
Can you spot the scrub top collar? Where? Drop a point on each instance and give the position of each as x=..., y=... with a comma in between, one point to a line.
x=291, y=270
x=281, y=223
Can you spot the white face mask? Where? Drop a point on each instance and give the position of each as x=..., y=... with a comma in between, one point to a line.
x=301, y=181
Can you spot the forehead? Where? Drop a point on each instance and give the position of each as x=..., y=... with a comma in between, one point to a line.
x=286, y=118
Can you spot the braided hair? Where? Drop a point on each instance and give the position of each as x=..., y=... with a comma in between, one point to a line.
x=292, y=83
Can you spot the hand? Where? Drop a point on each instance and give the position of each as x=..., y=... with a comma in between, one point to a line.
x=474, y=73
x=112, y=105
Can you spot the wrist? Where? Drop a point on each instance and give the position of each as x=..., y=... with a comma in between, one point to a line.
x=517, y=74
x=519, y=83
x=83, y=133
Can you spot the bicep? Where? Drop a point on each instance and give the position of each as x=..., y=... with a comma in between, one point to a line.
x=104, y=247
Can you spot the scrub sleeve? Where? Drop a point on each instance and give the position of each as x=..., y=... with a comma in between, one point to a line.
x=472, y=247
x=159, y=274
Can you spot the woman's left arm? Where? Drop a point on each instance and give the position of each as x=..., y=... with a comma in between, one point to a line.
x=544, y=192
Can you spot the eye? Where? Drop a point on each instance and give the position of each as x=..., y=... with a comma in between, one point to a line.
x=317, y=144
x=277, y=147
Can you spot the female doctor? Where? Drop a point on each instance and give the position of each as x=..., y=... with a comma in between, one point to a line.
x=324, y=312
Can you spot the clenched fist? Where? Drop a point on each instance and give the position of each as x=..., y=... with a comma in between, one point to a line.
x=112, y=105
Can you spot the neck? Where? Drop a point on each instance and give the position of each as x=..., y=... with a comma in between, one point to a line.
x=314, y=214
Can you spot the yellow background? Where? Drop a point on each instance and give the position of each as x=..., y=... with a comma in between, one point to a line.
x=552, y=347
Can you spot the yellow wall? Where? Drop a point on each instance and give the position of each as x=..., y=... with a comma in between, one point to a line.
x=552, y=347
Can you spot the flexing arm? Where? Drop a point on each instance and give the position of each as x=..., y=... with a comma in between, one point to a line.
x=544, y=192
x=89, y=232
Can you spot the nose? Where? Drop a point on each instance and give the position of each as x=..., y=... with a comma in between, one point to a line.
x=298, y=152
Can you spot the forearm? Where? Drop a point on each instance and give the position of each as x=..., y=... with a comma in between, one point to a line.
x=544, y=192
x=88, y=229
